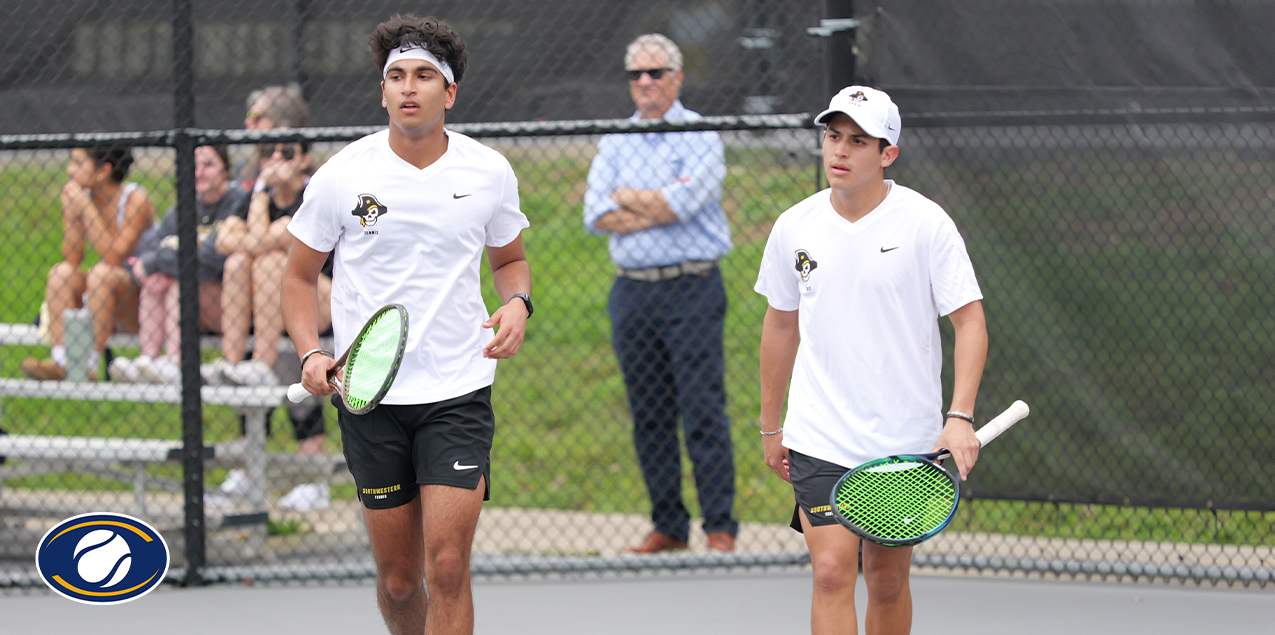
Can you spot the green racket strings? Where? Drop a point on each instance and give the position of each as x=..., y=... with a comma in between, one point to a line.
x=371, y=359
x=897, y=501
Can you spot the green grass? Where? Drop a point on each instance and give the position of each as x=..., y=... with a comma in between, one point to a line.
x=288, y=527
x=1128, y=301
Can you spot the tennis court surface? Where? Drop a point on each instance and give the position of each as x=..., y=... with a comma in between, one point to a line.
x=739, y=603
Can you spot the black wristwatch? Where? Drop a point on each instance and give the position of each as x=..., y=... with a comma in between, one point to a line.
x=525, y=300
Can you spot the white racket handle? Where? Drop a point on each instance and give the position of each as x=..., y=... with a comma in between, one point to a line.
x=297, y=393
x=1015, y=413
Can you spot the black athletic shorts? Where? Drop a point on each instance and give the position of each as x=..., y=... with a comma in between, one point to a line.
x=392, y=449
x=812, y=483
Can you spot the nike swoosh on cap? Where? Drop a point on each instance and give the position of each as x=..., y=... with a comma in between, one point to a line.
x=458, y=466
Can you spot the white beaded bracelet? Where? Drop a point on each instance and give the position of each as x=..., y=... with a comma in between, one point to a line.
x=771, y=434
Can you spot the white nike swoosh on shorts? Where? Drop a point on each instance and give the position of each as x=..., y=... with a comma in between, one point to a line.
x=458, y=466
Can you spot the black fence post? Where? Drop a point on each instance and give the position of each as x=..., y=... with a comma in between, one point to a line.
x=839, y=63
x=297, y=15
x=188, y=284
x=758, y=43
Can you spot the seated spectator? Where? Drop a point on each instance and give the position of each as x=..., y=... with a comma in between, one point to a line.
x=100, y=208
x=269, y=108
x=154, y=266
x=257, y=251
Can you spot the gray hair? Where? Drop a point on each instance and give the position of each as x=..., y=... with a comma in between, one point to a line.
x=656, y=43
x=285, y=106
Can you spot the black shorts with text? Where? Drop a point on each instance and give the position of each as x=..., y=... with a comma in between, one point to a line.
x=394, y=448
x=812, y=483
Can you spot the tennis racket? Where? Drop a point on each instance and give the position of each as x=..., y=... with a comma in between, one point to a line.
x=902, y=500
x=369, y=364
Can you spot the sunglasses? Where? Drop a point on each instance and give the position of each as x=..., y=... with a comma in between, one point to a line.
x=289, y=152
x=655, y=73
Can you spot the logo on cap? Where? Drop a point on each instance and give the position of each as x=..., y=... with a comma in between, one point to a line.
x=858, y=96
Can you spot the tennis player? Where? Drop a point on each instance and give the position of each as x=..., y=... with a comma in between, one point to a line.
x=409, y=212
x=856, y=277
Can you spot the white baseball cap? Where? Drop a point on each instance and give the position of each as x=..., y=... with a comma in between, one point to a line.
x=870, y=108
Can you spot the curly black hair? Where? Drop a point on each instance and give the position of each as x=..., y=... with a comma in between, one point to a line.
x=430, y=33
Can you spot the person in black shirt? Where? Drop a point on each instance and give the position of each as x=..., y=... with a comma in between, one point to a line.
x=154, y=267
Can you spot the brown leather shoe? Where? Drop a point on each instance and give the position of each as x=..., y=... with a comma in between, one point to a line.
x=43, y=369
x=47, y=369
x=720, y=541
x=656, y=542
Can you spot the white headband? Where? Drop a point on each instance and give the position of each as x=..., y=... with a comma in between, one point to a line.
x=418, y=53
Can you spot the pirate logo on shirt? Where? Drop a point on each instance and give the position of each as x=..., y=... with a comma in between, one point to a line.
x=369, y=210
x=805, y=265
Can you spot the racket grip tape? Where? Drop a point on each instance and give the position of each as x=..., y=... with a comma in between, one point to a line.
x=1015, y=413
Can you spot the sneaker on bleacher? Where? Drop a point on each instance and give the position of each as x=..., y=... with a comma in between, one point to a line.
x=236, y=483
x=122, y=369
x=307, y=497
x=253, y=372
x=214, y=372
x=161, y=370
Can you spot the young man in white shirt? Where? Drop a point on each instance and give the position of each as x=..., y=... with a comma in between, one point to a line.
x=856, y=277
x=409, y=212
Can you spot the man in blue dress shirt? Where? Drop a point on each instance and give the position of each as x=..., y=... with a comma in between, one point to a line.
x=658, y=197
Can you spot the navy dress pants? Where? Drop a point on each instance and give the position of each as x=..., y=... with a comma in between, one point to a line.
x=668, y=340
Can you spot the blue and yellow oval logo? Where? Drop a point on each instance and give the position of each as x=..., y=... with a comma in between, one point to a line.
x=102, y=558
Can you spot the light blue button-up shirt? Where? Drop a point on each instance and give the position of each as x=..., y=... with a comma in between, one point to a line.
x=687, y=168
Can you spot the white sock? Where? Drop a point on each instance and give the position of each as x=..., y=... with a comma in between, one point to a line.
x=95, y=358
x=59, y=355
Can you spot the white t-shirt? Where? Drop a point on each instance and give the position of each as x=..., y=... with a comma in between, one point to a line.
x=869, y=294
x=414, y=237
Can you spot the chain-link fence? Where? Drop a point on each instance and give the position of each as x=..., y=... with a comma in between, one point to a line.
x=1125, y=255
x=1125, y=279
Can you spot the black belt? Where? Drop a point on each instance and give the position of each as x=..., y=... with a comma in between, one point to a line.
x=660, y=274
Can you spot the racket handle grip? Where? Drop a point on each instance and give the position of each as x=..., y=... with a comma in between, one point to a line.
x=297, y=393
x=1015, y=413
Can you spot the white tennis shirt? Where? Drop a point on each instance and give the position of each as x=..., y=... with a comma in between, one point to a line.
x=414, y=237
x=869, y=293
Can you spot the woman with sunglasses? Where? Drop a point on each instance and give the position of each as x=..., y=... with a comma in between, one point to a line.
x=257, y=250
x=269, y=108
